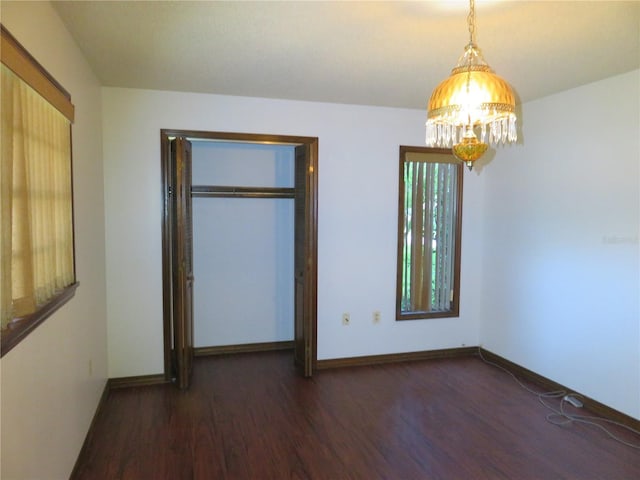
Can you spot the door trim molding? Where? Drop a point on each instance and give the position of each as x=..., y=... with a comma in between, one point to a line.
x=311, y=217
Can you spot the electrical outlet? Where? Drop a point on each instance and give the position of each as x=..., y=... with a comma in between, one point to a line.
x=376, y=317
x=346, y=319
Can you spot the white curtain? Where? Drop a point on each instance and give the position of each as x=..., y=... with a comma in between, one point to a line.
x=36, y=237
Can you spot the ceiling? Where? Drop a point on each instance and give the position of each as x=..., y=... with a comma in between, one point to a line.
x=372, y=53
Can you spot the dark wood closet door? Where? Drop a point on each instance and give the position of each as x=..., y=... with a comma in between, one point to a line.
x=182, y=261
x=305, y=261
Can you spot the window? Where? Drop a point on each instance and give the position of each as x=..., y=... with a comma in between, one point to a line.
x=429, y=224
x=37, y=273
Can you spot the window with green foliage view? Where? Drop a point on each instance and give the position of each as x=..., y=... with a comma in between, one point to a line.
x=429, y=224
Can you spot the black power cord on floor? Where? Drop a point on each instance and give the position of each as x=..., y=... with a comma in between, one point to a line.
x=559, y=416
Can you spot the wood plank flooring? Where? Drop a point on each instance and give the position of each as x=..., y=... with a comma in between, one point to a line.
x=250, y=416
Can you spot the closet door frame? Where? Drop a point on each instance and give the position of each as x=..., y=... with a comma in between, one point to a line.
x=306, y=217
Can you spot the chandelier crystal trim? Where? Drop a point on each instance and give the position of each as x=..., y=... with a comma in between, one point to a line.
x=472, y=99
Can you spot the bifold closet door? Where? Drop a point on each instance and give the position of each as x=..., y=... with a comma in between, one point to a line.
x=181, y=261
x=306, y=211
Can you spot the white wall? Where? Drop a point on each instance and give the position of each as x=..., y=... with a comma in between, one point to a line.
x=561, y=262
x=242, y=247
x=555, y=221
x=49, y=395
x=358, y=176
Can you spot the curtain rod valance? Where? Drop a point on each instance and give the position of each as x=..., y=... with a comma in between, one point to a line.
x=18, y=60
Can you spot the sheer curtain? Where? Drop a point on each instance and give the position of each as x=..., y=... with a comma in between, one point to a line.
x=36, y=237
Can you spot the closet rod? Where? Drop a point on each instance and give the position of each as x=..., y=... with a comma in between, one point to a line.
x=241, y=192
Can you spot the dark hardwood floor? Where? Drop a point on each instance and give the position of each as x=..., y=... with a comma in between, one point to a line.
x=250, y=416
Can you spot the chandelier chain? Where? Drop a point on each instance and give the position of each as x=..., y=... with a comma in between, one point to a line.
x=471, y=20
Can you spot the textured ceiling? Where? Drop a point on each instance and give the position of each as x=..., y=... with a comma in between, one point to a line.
x=372, y=53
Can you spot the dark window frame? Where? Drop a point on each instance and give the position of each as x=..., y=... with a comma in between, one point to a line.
x=454, y=310
x=19, y=328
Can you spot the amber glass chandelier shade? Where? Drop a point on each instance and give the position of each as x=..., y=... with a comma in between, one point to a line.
x=473, y=95
x=488, y=93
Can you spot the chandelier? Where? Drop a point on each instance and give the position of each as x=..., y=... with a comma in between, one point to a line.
x=473, y=99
